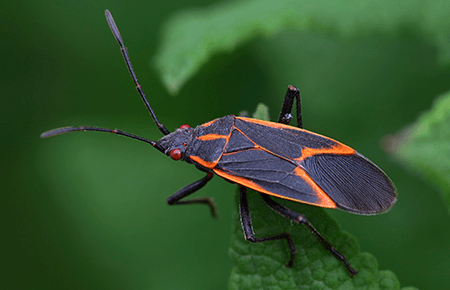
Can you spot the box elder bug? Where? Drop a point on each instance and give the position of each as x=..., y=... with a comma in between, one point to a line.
x=274, y=159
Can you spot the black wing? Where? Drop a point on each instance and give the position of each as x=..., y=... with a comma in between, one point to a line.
x=299, y=165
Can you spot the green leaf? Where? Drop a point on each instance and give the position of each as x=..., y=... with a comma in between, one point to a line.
x=262, y=265
x=261, y=112
x=191, y=37
x=424, y=146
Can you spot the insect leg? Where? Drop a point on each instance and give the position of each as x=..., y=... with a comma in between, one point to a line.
x=191, y=188
x=300, y=219
x=285, y=114
x=247, y=227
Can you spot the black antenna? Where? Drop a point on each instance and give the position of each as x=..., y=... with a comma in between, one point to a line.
x=126, y=57
x=63, y=130
x=124, y=51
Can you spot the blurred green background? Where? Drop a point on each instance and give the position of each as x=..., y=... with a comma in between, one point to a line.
x=88, y=211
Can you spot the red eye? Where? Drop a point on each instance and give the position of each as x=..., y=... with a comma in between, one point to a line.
x=175, y=154
x=184, y=126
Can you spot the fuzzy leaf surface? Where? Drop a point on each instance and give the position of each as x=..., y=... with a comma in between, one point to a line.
x=424, y=146
x=191, y=37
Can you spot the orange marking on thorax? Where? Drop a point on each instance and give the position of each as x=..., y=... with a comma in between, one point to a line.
x=208, y=123
x=211, y=137
x=204, y=163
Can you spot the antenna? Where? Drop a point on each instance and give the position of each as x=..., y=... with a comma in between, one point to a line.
x=126, y=57
x=63, y=130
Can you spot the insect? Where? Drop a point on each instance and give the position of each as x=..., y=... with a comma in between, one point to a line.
x=274, y=159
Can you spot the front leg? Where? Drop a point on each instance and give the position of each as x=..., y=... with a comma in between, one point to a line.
x=191, y=188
